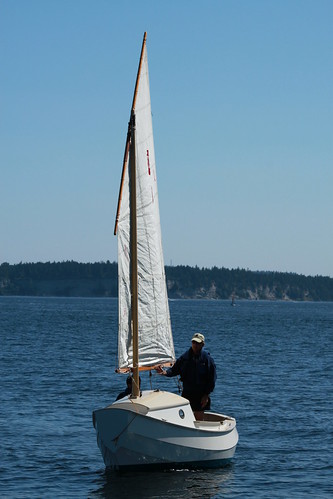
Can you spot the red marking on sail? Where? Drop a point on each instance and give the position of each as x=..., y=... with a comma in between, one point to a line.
x=148, y=162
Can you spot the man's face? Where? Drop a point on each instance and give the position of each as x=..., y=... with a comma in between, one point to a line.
x=196, y=347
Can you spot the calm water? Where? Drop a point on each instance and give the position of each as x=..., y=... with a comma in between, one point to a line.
x=57, y=360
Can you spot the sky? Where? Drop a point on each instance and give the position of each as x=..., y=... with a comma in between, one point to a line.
x=243, y=126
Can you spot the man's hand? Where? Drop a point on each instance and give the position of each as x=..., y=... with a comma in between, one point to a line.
x=160, y=370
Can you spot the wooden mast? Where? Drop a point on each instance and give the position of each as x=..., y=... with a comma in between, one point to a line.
x=134, y=262
x=131, y=148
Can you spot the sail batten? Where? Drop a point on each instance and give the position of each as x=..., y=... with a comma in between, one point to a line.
x=154, y=327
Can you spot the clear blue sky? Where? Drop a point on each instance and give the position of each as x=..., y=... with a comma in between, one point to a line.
x=243, y=120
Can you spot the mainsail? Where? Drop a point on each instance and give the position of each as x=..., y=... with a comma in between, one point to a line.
x=154, y=327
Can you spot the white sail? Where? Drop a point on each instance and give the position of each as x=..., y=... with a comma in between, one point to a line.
x=155, y=336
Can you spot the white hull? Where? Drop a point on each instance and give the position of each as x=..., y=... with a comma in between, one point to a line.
x=159, y=430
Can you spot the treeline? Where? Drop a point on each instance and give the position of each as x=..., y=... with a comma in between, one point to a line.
x=59, y=279
x=222, y=283
x=101, y=279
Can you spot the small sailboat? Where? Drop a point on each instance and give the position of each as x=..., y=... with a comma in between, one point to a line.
x=152, y=428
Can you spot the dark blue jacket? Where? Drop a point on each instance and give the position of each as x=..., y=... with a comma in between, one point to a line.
x=198, y=373
x=123, y=394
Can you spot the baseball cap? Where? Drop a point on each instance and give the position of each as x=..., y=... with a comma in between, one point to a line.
x=199, y=338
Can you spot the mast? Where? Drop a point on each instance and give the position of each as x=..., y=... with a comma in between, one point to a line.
x=134, y=261
x=133, y=234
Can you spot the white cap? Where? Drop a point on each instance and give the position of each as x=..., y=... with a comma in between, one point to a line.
x=199, y=338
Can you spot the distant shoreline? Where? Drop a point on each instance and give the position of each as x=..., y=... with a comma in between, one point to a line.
x=100, y=279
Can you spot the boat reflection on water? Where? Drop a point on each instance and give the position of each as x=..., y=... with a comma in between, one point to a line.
x=166, y=484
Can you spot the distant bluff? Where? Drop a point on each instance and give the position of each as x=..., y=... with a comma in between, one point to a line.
x=100, y=279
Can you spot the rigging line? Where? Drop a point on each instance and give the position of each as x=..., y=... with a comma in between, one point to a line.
x=133, y=381
x=115, y=439
x=177, y=382
x=179, y=385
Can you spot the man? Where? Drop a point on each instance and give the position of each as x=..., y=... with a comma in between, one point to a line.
x=128, y=389
x=197, y=371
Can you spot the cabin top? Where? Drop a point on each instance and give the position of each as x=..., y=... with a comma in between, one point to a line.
x=153, y=401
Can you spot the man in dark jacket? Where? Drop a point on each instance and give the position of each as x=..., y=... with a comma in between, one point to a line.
x=197, y=371
x=128, y=389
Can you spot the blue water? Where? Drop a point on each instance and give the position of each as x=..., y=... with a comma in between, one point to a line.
x=275, y=367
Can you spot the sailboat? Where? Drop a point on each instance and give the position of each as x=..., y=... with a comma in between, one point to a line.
x=152, y=428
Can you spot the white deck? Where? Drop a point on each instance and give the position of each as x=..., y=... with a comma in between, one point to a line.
x=154, y=401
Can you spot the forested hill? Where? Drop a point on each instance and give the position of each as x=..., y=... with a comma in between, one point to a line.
x=101, y=279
